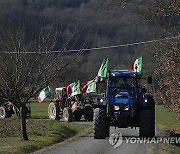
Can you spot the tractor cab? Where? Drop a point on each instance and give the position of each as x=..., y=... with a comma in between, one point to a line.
x=122, y=91
x=60, y=94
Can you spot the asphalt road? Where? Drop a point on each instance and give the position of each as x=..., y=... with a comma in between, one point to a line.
x=127, y=144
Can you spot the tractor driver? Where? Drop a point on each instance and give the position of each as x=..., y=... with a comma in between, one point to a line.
x=125, y=83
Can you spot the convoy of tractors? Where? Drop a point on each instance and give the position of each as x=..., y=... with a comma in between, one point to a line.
x=124, y=103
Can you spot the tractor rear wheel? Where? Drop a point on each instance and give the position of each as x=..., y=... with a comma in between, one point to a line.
x=4, y=113
x=67, y=114
x=88, y=113
x=147, y=123
x=99, y=123
x=53, y=111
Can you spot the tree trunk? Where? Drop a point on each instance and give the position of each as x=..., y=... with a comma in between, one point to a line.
x=23, y=122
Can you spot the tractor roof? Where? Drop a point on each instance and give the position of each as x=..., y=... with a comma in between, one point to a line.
x=60, y=88
x=125, y=73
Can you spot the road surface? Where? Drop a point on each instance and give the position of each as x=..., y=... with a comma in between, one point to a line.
x=125, y=145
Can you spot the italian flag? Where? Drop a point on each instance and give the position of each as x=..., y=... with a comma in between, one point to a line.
x=103, y=70
x=44, y=94
x=73, y=89
x=137, y=65
x=89, y=87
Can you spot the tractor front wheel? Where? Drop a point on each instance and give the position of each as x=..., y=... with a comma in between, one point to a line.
x=99, y=123
x=107, y=127
x=147, y=123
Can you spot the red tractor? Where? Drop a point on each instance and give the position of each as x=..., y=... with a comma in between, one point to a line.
x=62, y=107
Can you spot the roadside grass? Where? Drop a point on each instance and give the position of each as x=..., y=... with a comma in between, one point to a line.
x=168, y=126
x=42, y=132
x=165, y=116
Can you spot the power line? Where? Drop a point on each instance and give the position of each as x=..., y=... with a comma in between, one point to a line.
x=105, y=47
x=117, y=46
x=122, y=45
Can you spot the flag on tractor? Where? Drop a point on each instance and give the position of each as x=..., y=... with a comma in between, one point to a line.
x=73, y=89
x=103, y=71
x=89, y=87
x=137, y=65
x=45, y=93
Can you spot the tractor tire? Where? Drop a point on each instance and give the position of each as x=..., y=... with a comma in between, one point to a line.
x=67, y=114
x=88, y=113
x=107, y=127
x=77, y=115
x=147, y=123
x=99, y=123
x=4, y=113
x=53, y=111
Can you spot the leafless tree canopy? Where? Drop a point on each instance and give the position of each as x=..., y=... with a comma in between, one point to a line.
x=27, y=66
x=23, y=74
x=167, y=54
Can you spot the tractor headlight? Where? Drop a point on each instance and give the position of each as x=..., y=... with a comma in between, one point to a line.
x=145, y=100
x=126, y=108
x=116, y=107
x=101, y=100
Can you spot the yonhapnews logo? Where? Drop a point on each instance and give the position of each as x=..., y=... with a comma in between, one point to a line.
x=116, y=140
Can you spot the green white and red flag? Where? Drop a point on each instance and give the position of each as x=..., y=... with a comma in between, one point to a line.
x=137, y=65
x=45, y=93
x=103, y=71
x=89, y=87
x=73, y=89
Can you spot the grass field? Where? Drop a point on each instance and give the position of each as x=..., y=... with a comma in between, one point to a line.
x=165, y=116
x=168, y=126
x=39, y=111
x=42, y=132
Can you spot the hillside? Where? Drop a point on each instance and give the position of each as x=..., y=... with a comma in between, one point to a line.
x=90, y=23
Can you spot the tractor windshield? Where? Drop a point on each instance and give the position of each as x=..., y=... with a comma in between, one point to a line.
x=60, y=93
x=121, y=84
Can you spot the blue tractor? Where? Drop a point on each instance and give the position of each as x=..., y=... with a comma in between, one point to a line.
x=126, y=103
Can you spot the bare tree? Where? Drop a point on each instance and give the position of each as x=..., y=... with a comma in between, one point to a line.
x=28, y=66
x=167, y=55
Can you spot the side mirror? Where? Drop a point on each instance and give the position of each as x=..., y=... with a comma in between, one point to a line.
x=149, y=79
